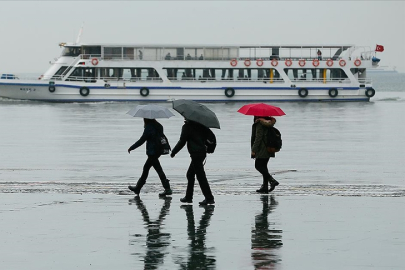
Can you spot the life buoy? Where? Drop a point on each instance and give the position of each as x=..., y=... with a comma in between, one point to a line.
x=234, y=62
x=301, y=62
x=315, y=62
x=370, y=92
x=94, y=61
x=329, y=63
x=247, y=62
x=274, y=62
x=84, y=91
x=342, y=62
x=303, y=92
x=333, y=92
x=144, y=91
x=357, y=62
x=288, y=62
x=229, y=92
x=259, y=62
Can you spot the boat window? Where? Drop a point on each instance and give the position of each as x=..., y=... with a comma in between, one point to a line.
x=71, y=51
x=129, y=74
x=113, y=53
x=298, y=74
x=91, y=51
x=86, y=74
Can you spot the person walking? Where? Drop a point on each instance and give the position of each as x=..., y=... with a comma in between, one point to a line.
x=260, y=132
x=194, y=135
x=151, y=135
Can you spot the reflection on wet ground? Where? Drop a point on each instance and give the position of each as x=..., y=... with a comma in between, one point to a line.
x=265, y=238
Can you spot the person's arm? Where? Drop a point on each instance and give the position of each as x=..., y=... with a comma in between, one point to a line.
x=258, y=140
x=141, y=140
x=181, y=143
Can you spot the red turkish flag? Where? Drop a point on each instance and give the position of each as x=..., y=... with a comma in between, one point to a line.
x=379, y=48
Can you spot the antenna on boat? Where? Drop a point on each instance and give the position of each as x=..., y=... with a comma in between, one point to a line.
x=80, y=34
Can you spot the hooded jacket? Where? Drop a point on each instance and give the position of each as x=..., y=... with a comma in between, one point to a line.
x=150, y=135
x=194, y=134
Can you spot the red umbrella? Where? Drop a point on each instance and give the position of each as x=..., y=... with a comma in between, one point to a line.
x=261, y=109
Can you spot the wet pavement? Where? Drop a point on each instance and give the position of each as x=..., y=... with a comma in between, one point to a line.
x=246, y=231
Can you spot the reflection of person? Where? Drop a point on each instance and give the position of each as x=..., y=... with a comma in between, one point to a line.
x=152, y=130
x=156, y=241
x=265, y=241
x=194, y=134
x=260, y=153
x=198, y=258
x=319, y=53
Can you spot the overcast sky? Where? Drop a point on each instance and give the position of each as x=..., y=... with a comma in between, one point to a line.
x=31, y=30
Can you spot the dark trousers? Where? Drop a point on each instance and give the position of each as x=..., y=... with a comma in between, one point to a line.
x=197, y=169
x=152, y=161
x=261, y=166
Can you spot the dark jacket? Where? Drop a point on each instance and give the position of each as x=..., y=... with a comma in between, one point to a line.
x=150, y=135
x=258, y=139
x=194, y=135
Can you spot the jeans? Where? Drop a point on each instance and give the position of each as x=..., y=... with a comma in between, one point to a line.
x=152, y=161
x=196, y=168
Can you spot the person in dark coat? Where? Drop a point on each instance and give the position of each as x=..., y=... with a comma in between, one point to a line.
x=151, y=134
x=194, y=134
x=260, y=153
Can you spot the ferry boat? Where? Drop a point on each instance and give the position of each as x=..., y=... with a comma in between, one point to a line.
x=152, y=73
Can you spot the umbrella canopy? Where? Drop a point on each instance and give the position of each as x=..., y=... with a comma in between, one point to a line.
x=261, y=109
x=196, y=112
x=150, y=111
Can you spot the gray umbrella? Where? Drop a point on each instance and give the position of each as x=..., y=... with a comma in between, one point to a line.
x=196, y=112
x=150, y=112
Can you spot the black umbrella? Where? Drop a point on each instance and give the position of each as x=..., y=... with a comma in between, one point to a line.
x=196, y=112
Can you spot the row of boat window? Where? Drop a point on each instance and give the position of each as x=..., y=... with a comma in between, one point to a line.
x=81, y=73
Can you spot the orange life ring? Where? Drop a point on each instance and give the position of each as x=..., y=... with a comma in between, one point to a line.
x=315, y=62
x=342, y=62
x=274, y=62
x=234, y=62
x=357, y=62
x=94, y=61
x=259, y=62
x=247, y=62
x=288, y=62
x=301, y=62
x=329, y=63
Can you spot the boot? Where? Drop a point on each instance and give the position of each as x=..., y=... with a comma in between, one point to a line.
x=168, y=190
x=137, y=189
x=264, y=189
x=273, y=183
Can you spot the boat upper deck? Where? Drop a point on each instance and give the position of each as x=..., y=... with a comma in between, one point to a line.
x=212, y=52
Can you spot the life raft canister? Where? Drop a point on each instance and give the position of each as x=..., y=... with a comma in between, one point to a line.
x=247, y=62
x=94, y=61
x=342, y=62
x=329, y=63
x=301, y=62
x=229, y=92
x=315, y=62
x=234, y=62
x=259, y=62
x=288, y=62
x=357, y=62
x=274, y=62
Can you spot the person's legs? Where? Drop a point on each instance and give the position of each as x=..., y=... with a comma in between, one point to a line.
x=261, y=166
x=159, y=170
x=202, y=178
x=144, y=176
x=190, y=183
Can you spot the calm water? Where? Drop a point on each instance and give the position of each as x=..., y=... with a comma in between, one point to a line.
x=345, y=149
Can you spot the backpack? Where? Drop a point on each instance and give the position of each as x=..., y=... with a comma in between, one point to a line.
x=274, y=142
x=210, y=141
x=163, y=146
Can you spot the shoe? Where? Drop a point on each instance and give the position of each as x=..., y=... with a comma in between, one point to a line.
x=206, y=202
x=273, y=184
x=186, y=200
x=134, y=189
x=166, y=192
x=263, y=190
